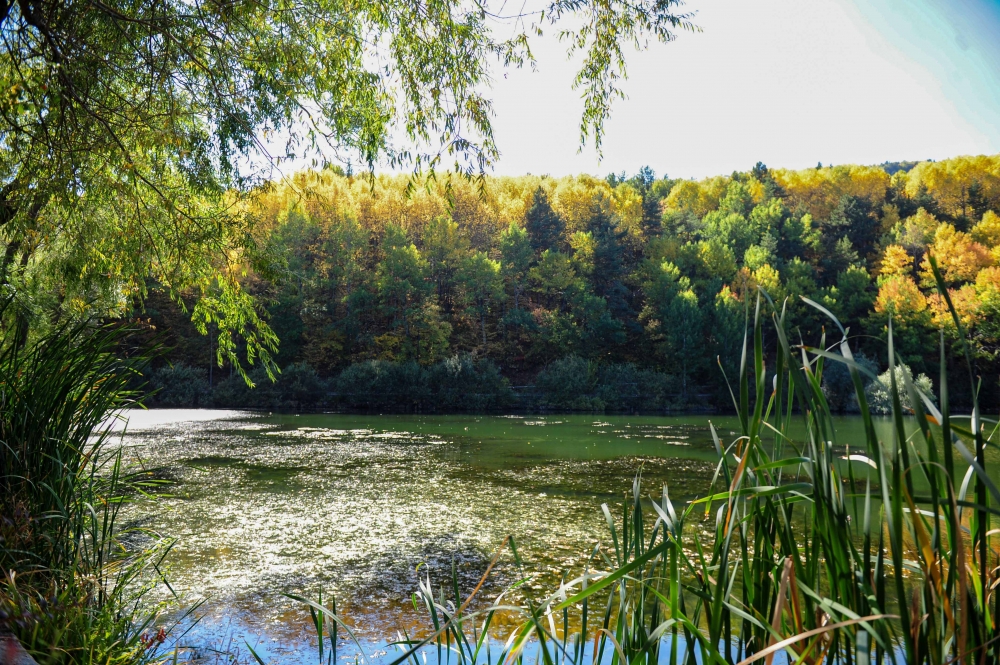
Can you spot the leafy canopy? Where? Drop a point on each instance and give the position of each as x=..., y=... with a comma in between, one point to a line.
x=132, y=131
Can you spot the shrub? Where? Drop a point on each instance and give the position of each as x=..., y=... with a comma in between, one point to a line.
x=463, y=383
x=569, y=383
x=297, y=387
x=574, y=383
x=879, y=395
x=625, y=387
x=180, y=386
x=460, y=383
x=380, y=384
x=838, y=388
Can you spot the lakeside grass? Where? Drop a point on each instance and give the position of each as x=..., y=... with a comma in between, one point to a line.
x=73, y=577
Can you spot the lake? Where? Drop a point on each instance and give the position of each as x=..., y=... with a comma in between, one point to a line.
x=352, y=505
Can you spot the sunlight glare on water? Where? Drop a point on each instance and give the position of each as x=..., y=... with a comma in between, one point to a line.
x=263, y=505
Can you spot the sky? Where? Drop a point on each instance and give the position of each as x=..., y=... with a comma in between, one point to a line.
x=787, y=82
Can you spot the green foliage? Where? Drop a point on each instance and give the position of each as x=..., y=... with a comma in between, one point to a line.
x=576, y=384
x=179, y=386
x=568, y=383
x=872, y=550
x=544, y=226
x=460, y=383
x=380, y=384
x=838, y=385
x=626, y=387
x=71, y=588
x=878, y=392
x=137, y=136
x=297, y=388
x=526, y=271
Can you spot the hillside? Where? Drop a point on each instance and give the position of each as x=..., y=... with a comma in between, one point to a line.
x=648, y=271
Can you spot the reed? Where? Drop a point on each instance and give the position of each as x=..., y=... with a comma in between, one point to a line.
x=807, y=548
x=73, y=576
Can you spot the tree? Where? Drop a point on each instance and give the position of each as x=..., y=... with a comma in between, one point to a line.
x=544, y=226
x=959, y=257
x=482, y=285
x=855, y=218
x=652, y=215
x=445, y=248
x=731, y=229
x=608, y=260
x=133, y=131
x=553, y=276
x=673, y=311
x=515, y=260
x=987, y=230
x=400, y=279
x=852, y=297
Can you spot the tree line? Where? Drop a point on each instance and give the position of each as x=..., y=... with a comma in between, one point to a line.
x=655, y=273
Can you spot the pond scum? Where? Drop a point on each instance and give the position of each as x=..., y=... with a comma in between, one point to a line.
x=817, y=550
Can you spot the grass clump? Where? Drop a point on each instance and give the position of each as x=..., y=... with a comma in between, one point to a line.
x=71, y=582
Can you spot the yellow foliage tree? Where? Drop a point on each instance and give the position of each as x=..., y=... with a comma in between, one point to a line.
x=900, y=297
x=987, y=231
x=917, y=230
x=699, y=198
x=952, y=181
x=896, y=262
x=820, y=190
x=966, y=302
x=768, y=279
x=575, y=198
x=959, y=257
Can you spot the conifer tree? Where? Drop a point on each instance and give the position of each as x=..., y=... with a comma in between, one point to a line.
x=543, y=224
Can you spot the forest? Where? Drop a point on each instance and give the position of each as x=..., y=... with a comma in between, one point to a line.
x=618, y=293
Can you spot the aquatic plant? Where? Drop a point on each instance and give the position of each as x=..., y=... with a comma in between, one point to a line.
x=823, y=550
x=72, y=575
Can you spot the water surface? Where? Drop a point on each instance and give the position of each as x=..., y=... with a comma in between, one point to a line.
x=354, y=505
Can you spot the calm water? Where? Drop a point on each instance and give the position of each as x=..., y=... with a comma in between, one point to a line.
x=352, y=505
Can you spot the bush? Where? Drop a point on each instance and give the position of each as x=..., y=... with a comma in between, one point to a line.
x=625, y=387
x=297, y=387
x=574, y=383
x=569, y=383
x=879, y=395
x=462, y=383
x=380, y=384
x=180, y=386
x=838, y=387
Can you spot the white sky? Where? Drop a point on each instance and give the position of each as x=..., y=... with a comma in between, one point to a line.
x=787, y=82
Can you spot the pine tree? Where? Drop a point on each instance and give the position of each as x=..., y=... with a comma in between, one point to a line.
x=543, y=225
x=609, y=263
x=652, y=215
